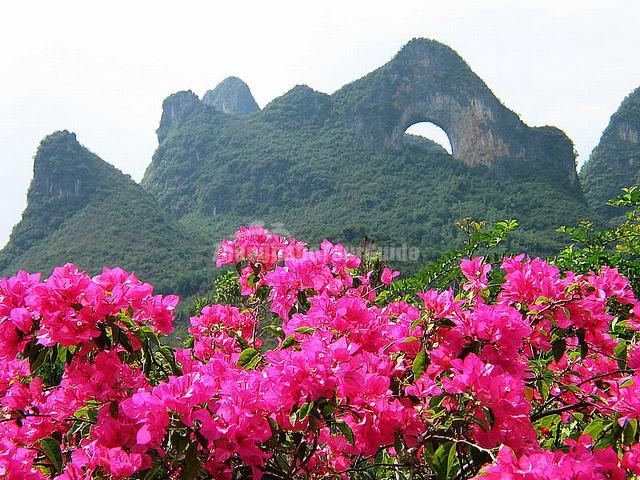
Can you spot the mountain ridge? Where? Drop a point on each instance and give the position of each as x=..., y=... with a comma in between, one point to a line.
x=427, y=81
x=216, y=170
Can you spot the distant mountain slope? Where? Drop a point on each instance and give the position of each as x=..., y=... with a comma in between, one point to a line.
x=81, y=209
x=340, y=165
x=615, y=162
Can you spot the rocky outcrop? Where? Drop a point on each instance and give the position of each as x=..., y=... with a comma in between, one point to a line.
x=615, y=162
x=176, y=106
x=61, y=168
x=232, y=96
x=429, y=82
x=65, y=176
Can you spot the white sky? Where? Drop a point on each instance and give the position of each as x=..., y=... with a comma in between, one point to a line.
x=102, y=70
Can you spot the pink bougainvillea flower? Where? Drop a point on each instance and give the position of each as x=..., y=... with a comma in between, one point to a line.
x=475, y=271
x=388, y=275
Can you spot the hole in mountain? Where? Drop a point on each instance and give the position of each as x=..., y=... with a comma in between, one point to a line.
x=431, y=132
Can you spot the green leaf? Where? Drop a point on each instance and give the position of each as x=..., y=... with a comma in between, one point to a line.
x=304, y=410
x=116, y=333
x=543, y=299
x=103, y=341
x=128, y=321
x=410, y=339
x=151, y=335
x=305, y=330
x=249, y=358
x=621, y=354
x=293, y=417
x=548, y=421
x=328, y=409
x=444, y=461
x=253, y=362
x=451, y=462
x=289, y=342
x=126, y=342
x=419, y=364
x=543, y=388
x=61, y=353
x=415, y=323
x=275, y=331
x=584, y=347
x=37, y=357
x=346, y=431
x=192, y=465
x=51, y=448
x=594, y=428
x=558, y=347
x=167, y=353
x=573, y=388
x=629, y=432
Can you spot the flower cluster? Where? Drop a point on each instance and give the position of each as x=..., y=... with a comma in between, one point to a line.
x=70, y=348
x=528, y=374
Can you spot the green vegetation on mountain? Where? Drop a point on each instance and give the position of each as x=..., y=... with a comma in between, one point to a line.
x=341, y=166
x=615, y=162
x=83, y=210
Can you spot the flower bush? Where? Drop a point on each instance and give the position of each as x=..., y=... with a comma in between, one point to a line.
x=524, y=372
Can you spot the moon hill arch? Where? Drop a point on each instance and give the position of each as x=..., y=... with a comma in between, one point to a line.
x=429, y=82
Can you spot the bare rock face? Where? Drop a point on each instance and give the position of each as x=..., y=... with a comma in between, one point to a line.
x=615, y=162
x=63, y=170
x=174, y=108
x=232, y=96
x=429, y=82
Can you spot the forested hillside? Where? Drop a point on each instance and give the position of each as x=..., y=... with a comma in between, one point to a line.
x=83, y=210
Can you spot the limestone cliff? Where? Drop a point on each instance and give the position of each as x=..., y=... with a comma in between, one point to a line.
x=176, y=107
x=232, y=96
x=615, y=162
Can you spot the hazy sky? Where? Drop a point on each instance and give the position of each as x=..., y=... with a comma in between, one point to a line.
x=103, y=69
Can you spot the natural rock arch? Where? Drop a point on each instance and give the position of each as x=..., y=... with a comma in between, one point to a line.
x=429, y=82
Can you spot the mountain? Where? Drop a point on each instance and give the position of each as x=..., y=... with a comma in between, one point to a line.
x=233, y=96
x=81, y=209
x=615, y=162
x=342, y=166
